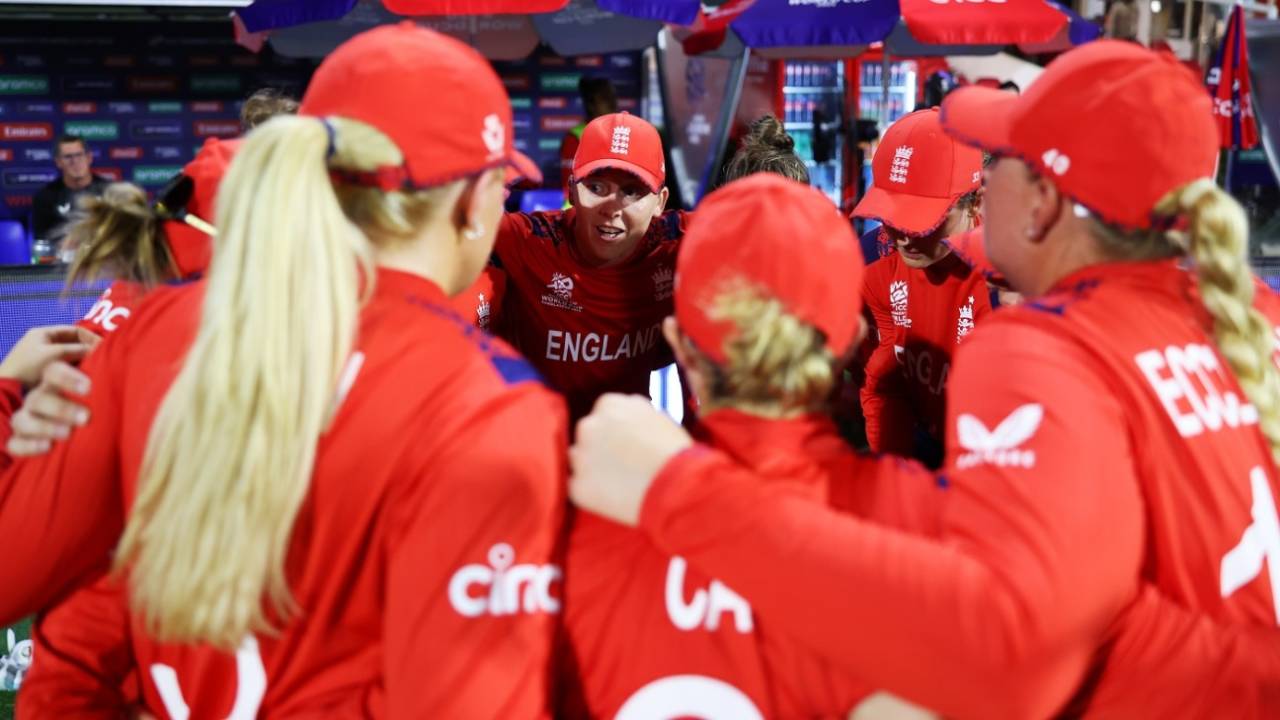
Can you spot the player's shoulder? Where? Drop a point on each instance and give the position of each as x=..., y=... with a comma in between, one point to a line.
x=445, y=350
x=546, y=225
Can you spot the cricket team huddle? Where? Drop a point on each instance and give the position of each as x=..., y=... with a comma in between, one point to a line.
x=378, y=448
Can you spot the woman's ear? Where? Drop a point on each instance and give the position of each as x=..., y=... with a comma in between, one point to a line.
x=687, y=358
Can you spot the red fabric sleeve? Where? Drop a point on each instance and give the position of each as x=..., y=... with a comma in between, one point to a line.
x=1036, y=557
x=494, y=498
x=1167, y=661
x=63, y=512
x=85, y=665
x=10, y=402
x=885, y=405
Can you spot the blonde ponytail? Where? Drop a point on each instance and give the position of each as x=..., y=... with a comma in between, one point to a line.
x=117, y=234
x=1218, y=242
x=777, y=365
x=230, y=455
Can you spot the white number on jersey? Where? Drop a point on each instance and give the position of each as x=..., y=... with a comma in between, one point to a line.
x=251, y=685
x=689, y=696
x=1259, y=544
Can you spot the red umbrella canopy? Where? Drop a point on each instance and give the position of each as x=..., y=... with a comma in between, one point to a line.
x=473, y=7
x=979, y=22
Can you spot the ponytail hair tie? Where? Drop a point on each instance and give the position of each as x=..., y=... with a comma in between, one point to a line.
x=332, y=131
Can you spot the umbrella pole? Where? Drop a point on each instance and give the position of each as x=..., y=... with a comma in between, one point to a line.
x=885, y=66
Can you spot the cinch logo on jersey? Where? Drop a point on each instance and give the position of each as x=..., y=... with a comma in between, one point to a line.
x=1192, y=386
x=965, y=324
x=704, y=610
x=898, y=303
x=561, y=295
x=901, y=164
x=567, y=346
x=504, y=588
x=663, y=283
x=104, y=313
x=920, y=364
x=1001, y=446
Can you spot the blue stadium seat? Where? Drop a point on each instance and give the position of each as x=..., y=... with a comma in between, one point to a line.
x=535, y=200
x=15, y=247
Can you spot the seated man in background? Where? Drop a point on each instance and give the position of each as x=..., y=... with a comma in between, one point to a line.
x=54, y=203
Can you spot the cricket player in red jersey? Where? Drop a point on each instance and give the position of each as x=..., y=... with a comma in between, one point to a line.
x=388, y=553
x=761, y=342
x=1112, y=440
x=588, y=287
x=924, y=299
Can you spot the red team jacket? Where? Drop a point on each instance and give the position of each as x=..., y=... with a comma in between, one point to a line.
x=587, y=330
x=1097, y=441
x=442, y=543
x=921, y=315
x=651, y=637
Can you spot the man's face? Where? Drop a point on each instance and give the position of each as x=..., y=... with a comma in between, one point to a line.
x=73, y=161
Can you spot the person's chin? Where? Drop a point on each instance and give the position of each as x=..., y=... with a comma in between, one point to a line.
x=915, y=259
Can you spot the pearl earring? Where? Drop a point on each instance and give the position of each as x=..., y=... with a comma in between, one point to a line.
x=473, y=232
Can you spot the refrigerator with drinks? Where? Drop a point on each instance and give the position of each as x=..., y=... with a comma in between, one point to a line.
x=813, y=112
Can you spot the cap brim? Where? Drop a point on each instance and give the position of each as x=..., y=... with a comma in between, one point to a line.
x=980, y=117
x=527, y=171
x=645, y=176
x=911, y=214
x=971, y=247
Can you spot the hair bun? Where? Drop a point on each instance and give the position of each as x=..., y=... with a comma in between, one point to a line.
x=768, y=131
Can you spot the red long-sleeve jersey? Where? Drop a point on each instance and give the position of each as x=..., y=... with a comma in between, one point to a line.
x=410, y=540
x=648, y=636
x=588, y=330
x=921, y=315
x=1105, y=472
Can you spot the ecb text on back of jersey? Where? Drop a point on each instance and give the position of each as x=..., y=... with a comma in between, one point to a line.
x=1193, y=387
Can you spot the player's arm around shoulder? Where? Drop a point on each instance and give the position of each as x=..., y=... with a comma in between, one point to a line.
x=1040, y=467
x=474, y=578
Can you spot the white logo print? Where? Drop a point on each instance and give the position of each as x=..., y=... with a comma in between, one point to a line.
x=494, y=135
x=1055, y=161
x=999, y=447
x=482, y=313
x=64, y=208
x=561, y=295
x=561, y=285
x=689, y=696
x=898, y=303
x=106, y=314
x=663, y=283
x=621, y=144
x=965, y=324
x=901, y=164
x=704, y=611
x=501, y=582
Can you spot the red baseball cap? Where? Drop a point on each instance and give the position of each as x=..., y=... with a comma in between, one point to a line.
x=1114, y=125
x=919, y=172
x=192, y=248
x=782, y=236
x=624, y=142
x=435, y=97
